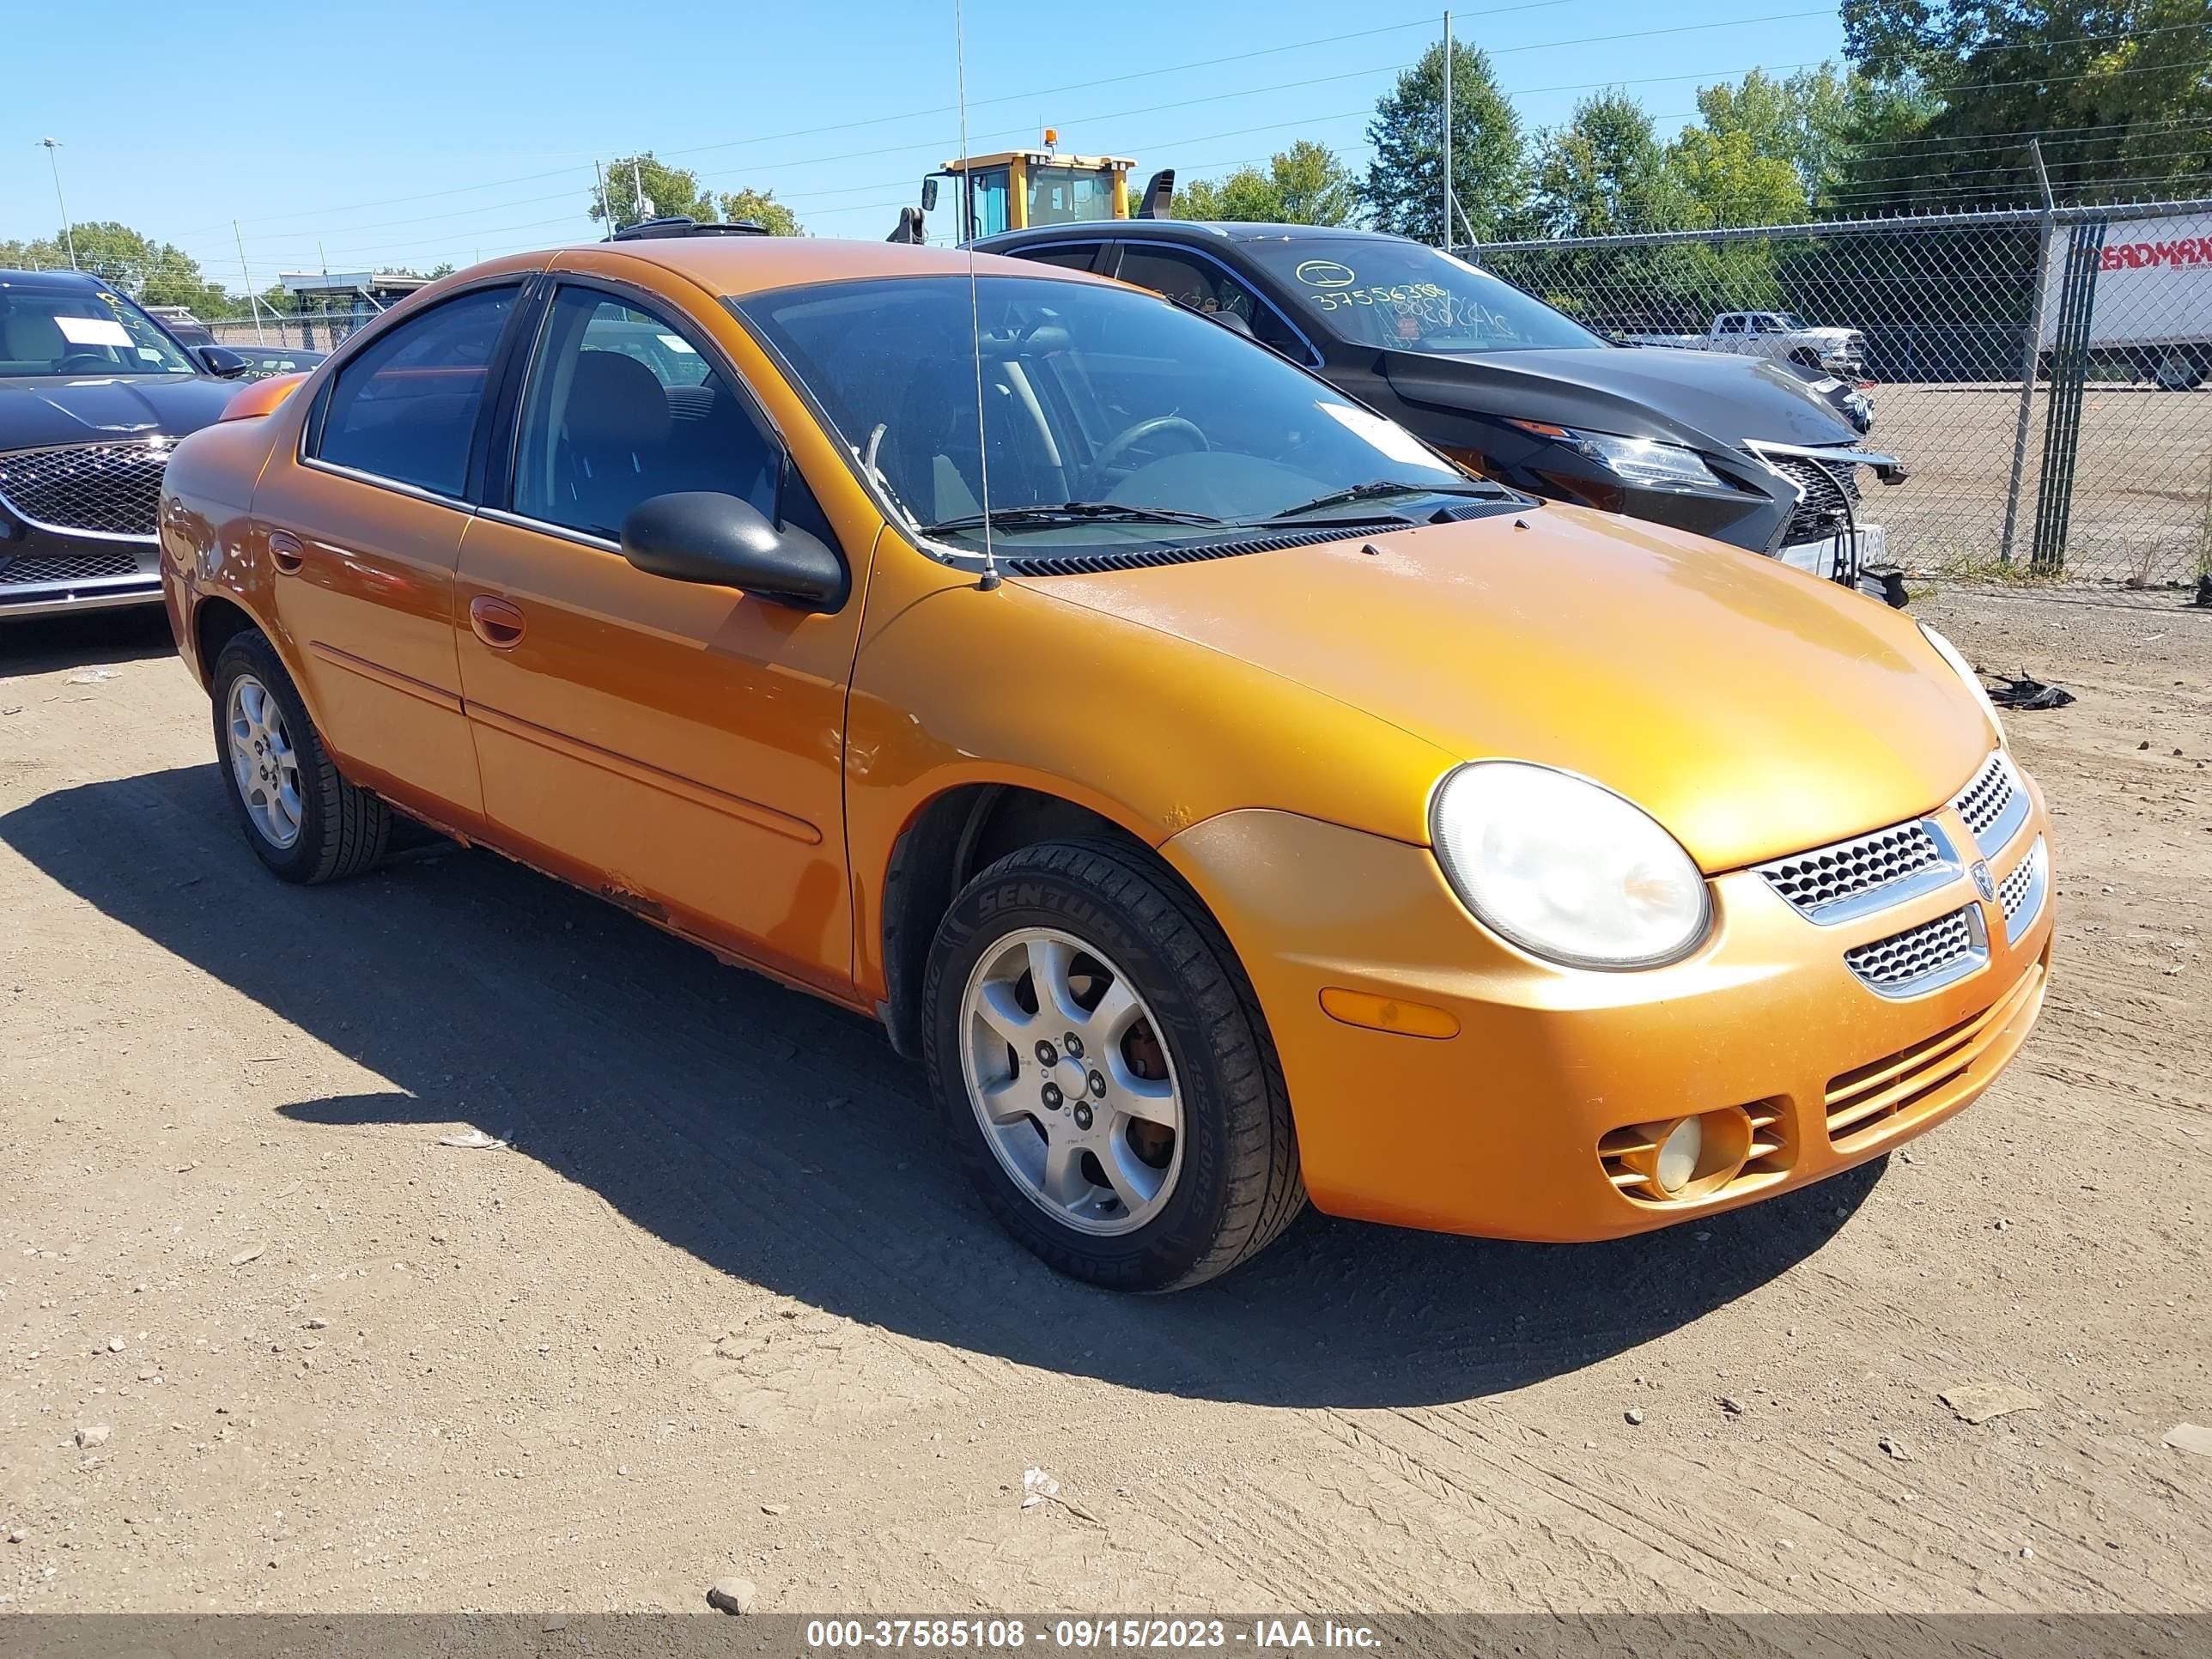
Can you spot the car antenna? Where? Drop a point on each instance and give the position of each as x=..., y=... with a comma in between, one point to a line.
x=975, y=308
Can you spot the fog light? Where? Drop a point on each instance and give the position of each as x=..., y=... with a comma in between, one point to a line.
x=1676, y=1166
x=1675, y=1160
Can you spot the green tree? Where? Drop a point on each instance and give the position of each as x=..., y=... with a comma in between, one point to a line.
x=1404, y=191
x=1304, y=185
x=2122, y=90
x=1733, y=184
x=763, y=210
x=1604, y=172
x=1801, y=120
x=641, y=186
x=153, y=273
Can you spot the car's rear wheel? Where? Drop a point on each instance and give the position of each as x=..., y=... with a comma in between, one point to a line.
x=1106, y=1080
x=301, y=818
x=2177, y=371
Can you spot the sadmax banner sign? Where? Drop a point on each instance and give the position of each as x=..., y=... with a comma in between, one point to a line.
x=2153, y=284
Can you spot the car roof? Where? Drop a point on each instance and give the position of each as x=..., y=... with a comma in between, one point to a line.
x=52, y=281
x=1193, y=230
x=739, y=266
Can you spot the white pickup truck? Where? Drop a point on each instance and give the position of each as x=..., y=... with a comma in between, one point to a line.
x=1776, y=334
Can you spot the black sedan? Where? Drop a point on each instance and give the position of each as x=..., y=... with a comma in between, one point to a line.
x=92, y=392
x=1740, y=450
x=265, y=362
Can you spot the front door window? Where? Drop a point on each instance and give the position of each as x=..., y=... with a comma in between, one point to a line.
x=621, y=407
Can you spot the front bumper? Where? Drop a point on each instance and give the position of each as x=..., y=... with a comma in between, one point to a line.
x=1513, y=1126
x=45, y=573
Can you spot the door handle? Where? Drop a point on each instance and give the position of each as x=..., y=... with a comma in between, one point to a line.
x=498, y=622
x=286, y=552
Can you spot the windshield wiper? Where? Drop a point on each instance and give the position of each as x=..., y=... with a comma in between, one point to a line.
x=1380, y=487
x=1070, y=512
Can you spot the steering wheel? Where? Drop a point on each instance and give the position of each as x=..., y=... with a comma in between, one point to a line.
x=83, y=363
x=1121, y=444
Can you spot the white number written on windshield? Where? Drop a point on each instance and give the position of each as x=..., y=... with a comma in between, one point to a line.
x=1400, y=294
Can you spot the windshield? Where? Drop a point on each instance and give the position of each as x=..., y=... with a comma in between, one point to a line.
x=1112, y=417
x=1410, y=298
x=89, y=331
x=1788, y=319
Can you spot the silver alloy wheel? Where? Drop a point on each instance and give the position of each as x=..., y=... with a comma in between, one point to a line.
x=263, y=766
x=1071, y=1081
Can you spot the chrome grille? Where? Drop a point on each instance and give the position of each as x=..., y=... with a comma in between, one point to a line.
x=1828, y=499
x=45, y=568
x=86, y=489
x=1993, y=805
x=1818, y=883
x=1921, y=958
x=2021, y=893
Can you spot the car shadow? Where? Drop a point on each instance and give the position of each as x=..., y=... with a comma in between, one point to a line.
x=779, y=1139
x=40, y=645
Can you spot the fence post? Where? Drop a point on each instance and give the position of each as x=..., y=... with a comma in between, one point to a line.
x=2204, y=542
x=2070, y=376
x=2032, y=355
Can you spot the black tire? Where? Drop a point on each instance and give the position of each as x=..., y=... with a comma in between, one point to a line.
x=1239, y=1186
x=343, y=828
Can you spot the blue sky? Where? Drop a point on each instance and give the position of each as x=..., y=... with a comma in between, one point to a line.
x=408, y=133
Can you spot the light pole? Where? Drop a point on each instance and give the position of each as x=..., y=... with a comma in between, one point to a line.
x=69, y=231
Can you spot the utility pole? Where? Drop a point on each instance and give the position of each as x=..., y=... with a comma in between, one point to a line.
x=69, y=231
x=1444, y=241
x=245, y=272
x=643, y=206
x=606, y=209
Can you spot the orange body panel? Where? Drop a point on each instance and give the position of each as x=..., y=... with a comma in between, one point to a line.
x=1274, y=724
x=1496, y=1131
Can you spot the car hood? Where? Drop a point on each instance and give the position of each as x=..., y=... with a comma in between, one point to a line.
x=1706, y=400
x=38, y=412
x=1751, y=708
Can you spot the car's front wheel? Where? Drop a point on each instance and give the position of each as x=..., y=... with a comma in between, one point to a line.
x=305, y=822
x=1107, y=1079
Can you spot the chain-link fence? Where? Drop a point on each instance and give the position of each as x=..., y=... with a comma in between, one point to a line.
x=315, y=330
x=2046, y=376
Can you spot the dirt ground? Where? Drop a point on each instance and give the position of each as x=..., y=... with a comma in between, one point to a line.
x=267, y=1339
x=2143, y=479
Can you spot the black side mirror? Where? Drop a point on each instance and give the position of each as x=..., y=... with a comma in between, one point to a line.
x=1159, y=195
x=929, y=194
x=703, y=535
x=221, y=360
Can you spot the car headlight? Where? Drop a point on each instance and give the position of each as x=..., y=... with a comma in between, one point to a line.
x=1965, y=670
x=1645, y=462
x=1565, y=868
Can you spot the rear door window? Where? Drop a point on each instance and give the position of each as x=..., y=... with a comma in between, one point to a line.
x=1075, y=255
x=405, y=407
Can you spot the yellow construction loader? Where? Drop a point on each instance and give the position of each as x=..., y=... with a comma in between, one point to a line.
x=1014, y=189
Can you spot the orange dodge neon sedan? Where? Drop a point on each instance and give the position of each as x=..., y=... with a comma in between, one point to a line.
x=1228, y=801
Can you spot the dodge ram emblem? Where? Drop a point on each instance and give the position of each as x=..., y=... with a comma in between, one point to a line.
x=1984, y=882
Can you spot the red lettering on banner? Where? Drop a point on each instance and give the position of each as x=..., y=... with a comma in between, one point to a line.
x=2141, y=256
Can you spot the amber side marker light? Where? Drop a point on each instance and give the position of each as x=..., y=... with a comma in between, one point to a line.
x=1390, y=1014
